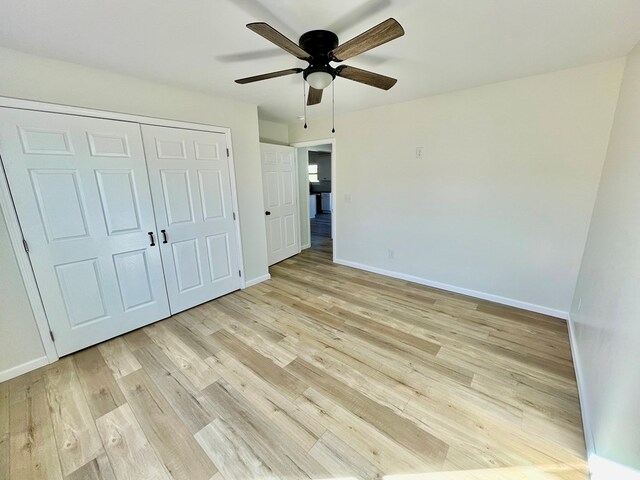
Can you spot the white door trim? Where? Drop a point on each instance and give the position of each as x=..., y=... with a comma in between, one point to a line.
x=11, y=216
x=315, y=143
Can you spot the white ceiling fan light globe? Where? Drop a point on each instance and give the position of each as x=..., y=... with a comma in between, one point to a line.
x=319, y=80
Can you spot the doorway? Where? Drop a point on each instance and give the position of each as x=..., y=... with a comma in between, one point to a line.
x=316, y=165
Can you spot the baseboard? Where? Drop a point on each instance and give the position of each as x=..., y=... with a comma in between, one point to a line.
x=463, y=291
x=602, y=469
x=582, y=394
x=23, y=368
x=257, y=280
x=306, y=245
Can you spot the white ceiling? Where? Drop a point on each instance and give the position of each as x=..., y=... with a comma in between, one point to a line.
x=204, y=45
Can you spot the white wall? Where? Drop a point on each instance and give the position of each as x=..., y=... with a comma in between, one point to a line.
x=36, y=78
x=19, y=338
x=273, y=132
x=606, y=326
x=499, y=206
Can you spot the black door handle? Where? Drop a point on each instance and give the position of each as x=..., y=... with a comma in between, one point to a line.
x=153, y=242
x=267, y=212
x=164, y=236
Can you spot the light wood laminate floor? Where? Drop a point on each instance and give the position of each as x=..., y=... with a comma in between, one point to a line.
x=322, y=372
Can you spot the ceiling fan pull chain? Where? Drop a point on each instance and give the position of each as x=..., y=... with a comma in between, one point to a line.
x=304, y=101
x=333, y=106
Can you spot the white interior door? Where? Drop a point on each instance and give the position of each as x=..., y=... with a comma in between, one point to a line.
x=81, y=191
x=191, y=187
x=279, y=186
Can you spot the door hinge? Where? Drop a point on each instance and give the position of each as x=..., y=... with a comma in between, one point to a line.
x=52, y=337
x=234, y=215
x=227, y=152
x=240, y=272
x=26, y=245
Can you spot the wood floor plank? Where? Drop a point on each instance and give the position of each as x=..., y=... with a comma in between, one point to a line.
x=200, y=345
x=342, y=461
x=137, y=339
x=381, y=451
x=188, y=402
x=33, y=452
x=118, y=356
x=231, y=454
x=100, y=388
x=298, y=426
x=398, y=428
x=4, y=431
x=76, y=435
x=280, y=378
x=284, y=457
x=176, y=447
x=198, y=322
x=97, y=469
x=130, y=453
x=190, y=364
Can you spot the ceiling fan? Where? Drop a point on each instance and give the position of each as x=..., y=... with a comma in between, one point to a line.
x=321, y=47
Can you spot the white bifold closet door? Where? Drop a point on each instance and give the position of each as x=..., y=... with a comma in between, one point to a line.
x=191, y=188
x=81, y=192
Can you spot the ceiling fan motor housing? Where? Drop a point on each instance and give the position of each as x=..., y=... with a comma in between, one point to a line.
x=318, y=43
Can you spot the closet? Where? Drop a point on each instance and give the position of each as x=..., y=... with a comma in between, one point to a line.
x=125, y=223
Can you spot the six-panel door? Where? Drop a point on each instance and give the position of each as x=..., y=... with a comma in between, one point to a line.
x=191, y=187
x=81, y=192
x=280, y=201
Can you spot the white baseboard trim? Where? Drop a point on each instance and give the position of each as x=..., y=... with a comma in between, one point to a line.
x=23, y=368
x=257, y=280
x=463, y=291
x=582, y=394
x=603, y=469
x=305, y=246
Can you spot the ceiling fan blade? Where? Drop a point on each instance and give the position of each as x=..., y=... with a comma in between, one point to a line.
x=314, y=97
x=267, y=31
x=384, y=32
x=266, y=76
x=366, y=77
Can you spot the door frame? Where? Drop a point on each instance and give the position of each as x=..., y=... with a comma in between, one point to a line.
x=13, y=223
x=315, y=143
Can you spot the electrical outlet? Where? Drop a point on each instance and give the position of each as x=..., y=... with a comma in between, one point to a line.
x=392, y=254
x=347, y=198
x=419, y=153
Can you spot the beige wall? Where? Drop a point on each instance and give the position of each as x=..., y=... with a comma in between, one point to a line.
x=500, y=204
x=35, y=78
x=606, y=307
x=273, y=132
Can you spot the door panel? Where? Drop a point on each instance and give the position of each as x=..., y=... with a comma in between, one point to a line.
x=120, y=204
x=81, y=190
x=177, y=196
x=219, y=256
x=191, y=186
x=134, y=279
x=211, y=194
x=82, y=288
x=280, y=189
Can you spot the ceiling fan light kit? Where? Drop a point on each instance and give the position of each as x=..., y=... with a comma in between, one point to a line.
x=319, y=79
x=321, y=47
